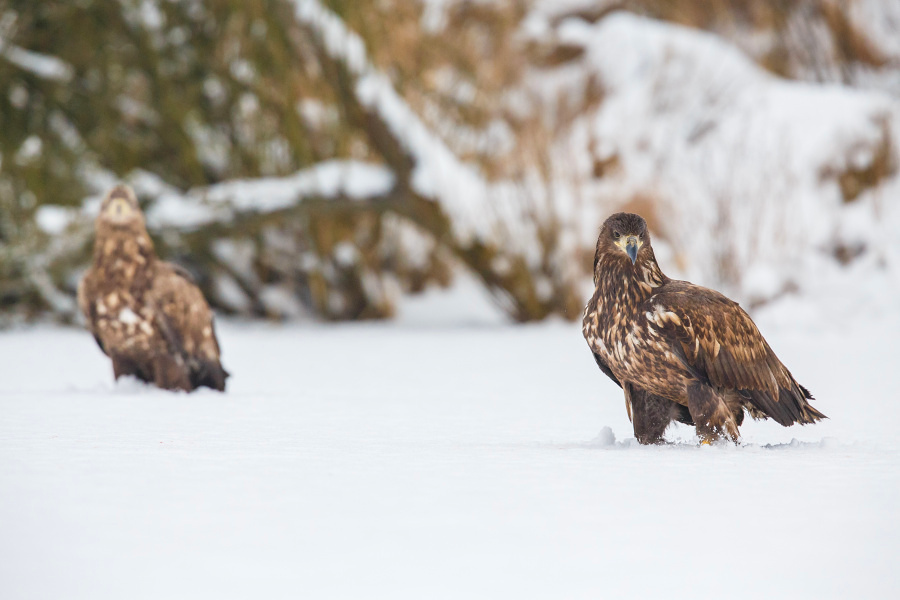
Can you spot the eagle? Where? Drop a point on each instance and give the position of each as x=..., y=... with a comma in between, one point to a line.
x=147, y=315
x=680, y=352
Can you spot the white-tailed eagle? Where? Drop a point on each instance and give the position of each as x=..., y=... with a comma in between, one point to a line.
x=680, y=351
x=147, y=315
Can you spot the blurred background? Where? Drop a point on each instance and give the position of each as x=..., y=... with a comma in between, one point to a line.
x=329, y=160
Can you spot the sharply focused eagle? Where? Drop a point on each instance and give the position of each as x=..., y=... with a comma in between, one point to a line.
x=147, y=315
x=680, y=351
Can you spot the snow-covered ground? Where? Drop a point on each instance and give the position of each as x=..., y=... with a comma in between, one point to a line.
x=417, y=460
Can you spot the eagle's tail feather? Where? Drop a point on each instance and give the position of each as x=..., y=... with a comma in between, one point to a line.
x=208, y=373
x=764, y=402
x=810, y=414
x=791, y=407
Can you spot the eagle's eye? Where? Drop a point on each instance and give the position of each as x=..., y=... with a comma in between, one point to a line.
x=616, y=234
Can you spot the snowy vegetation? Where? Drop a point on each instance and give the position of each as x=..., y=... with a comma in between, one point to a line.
x=327, y=158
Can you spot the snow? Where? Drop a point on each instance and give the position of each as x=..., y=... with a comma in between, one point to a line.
x=53, y=219
x=713, y=142
x=457, y=186
x=450, y=453
x=280, y=303
x=721, y=146
x=220, y=202
x=880, y=20
x=44, y=66
x=466, y=303
x=716, y=142
x=30, y=150
x=457, y=459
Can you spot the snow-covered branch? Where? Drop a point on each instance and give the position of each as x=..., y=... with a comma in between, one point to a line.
x=230, y=201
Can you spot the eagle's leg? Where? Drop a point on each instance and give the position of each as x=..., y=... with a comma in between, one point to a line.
x=170, y=373
x=122, y=367
x=711, y=414
x=650, y=414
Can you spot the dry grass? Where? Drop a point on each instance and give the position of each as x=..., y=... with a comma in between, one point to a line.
x=795, y=50
x=850, y=40
x=854, y=179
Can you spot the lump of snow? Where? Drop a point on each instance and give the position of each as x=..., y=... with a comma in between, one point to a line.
x=345, y=254
x=280, y=302
x=605, y=438
x=53, y=219
x=180, y=211
x=42, y=65
x=229, y=293
x=30, y=150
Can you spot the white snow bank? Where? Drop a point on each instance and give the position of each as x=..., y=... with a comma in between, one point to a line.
x=746, y=165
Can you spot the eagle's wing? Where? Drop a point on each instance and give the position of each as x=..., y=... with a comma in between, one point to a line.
x=589, y=330
x=719, y=344
x=185, y=321
x=88, y=307
x=606, y=370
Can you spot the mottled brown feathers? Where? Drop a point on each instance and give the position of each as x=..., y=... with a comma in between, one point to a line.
x=146, y=315
x=675, y=347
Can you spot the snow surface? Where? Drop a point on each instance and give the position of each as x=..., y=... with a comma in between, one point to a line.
x=417, y=460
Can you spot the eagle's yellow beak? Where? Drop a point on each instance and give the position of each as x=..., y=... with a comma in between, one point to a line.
x=630, y=245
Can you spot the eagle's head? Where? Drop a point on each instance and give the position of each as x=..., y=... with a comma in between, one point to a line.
x=624, y=237
x=120, y=209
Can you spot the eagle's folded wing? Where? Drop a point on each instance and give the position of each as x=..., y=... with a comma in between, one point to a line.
x=719, y=344
x=186, y=323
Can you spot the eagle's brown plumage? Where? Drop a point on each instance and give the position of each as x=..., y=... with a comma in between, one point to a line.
x=146, y=315
x=680, y=351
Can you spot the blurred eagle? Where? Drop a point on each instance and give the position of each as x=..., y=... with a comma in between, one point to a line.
x=147, y=315
x=680, y=351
